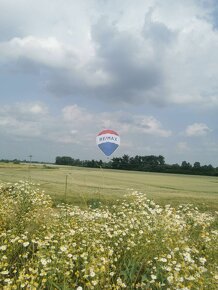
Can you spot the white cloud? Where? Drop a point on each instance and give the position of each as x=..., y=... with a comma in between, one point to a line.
x=150, y=125
x=190, y=64
x=55, y=56
x=74, y=124
x=75, y=128
x=197, y=129
x=45, y=51
x=123, y=122
x=76, y=114
x=182, y=147
x=30, y=112
x=23, y=119
x=37, y=109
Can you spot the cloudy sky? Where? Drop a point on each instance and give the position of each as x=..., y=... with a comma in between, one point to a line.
x=146, y=69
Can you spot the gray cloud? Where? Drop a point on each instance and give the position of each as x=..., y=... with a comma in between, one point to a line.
x=128, y=61
x=160, y=62
x=153, y=63
x=122, y=70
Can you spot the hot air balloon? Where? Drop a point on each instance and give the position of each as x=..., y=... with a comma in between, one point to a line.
x=108, y=141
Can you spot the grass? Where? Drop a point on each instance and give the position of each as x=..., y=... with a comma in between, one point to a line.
x=109, y=235
x=134, y=244
x=91, y=186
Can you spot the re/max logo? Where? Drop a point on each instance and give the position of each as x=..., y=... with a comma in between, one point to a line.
x=108, y=138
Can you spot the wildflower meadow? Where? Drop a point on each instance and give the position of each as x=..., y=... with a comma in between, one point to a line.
x=132, y=244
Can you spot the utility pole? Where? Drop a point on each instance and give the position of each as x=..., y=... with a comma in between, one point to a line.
x=65, y=191
x=30, y=157
x=30, y=163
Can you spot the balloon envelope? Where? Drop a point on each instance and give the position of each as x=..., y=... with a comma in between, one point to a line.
x=108, y=141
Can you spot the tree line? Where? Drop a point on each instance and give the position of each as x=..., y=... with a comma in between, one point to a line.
x=150, y=163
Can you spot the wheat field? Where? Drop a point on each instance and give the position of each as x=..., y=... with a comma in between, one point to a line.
x=86, y=185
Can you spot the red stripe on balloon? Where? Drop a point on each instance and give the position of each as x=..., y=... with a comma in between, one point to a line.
x=108, y=132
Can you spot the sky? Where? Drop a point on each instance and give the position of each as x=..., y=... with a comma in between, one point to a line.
x=146, y=69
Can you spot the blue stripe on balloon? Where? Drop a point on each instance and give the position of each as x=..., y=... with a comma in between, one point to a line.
x=108, y=148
